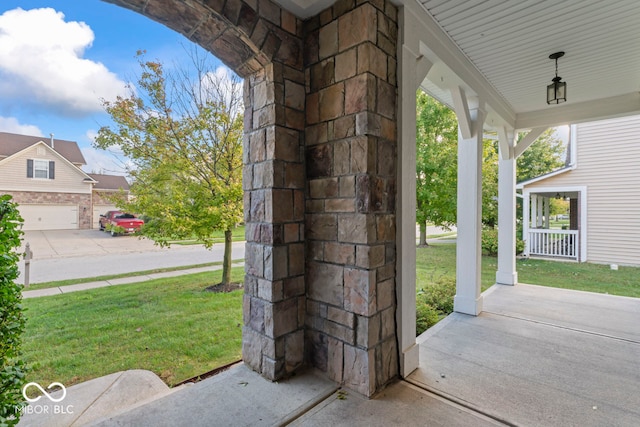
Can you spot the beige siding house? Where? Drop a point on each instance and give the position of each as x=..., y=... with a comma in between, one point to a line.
x=45, y=178
x=602, y=182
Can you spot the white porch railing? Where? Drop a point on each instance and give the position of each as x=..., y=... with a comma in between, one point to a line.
x=553, y=243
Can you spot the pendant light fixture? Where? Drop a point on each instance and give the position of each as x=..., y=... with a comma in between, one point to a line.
x=556, y=91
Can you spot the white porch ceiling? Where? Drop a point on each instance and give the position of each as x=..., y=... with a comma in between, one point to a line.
x=507, y=44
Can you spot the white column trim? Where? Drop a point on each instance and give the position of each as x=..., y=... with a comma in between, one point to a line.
x=526, y=217
x=413, y=67
x=468, y=298
x=506, y=273
x=461, y=108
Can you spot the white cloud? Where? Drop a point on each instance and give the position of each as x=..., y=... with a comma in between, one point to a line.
x=41, y=60
x=11, y=125
x=101, y=161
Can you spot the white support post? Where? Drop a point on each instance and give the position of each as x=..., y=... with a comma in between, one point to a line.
x=468, y=298
x=539, y=211
x=534, y=211
x=526, y=211
x=547, y=201
x=412, y=69
x=506, y=274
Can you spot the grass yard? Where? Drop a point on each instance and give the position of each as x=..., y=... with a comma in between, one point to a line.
x=171, y=326
x=438, y=261
x=237, y=235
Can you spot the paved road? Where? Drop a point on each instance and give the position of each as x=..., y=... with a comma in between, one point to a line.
x=75, y=254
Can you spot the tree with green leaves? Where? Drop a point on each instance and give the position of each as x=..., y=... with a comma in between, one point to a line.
x=545, y=155
x=183, y=137
x=12, y=322
x=436, y=164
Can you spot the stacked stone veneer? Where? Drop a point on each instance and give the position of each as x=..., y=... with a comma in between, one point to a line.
x=83, y=201
x=319, y=179
x=350, y=208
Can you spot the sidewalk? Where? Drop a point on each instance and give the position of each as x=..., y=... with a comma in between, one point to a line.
x=120, y=281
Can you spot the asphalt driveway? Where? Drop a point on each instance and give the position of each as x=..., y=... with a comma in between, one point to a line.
x=75, y=254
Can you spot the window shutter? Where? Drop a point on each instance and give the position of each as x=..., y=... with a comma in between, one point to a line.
x=29, y=168
x=52, y=170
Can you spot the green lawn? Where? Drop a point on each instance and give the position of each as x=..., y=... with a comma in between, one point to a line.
x=438, y=261
x=172, y=327
x=237, y=235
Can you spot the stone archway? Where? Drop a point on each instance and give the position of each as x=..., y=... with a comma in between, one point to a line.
x=319, y=179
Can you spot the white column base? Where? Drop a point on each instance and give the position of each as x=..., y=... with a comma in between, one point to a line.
x=506, y=278
x=409, y=360
x=467, y=305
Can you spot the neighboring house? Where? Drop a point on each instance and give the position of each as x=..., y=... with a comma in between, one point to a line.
x=602, y=182
x=105, y=190
x=45, y=178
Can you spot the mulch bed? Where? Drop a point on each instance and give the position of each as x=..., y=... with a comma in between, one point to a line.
x=221, y=287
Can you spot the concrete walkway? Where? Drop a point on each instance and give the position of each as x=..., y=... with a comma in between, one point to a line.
x=540, y=356
x=120, y=281
x=536, y=357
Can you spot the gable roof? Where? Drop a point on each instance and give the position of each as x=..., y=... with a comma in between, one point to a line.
x=109, y=182
x=11, y=143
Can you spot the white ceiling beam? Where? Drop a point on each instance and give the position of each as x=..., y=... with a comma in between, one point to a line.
x=588, y=111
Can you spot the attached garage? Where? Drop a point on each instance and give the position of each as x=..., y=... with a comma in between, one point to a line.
x=49, y=217
x=101, y=210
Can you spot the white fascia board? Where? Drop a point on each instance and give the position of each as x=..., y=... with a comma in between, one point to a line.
x=522, y=184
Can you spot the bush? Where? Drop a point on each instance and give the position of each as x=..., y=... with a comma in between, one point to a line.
x=490, y=242
x=434, y=302
x=12, y=322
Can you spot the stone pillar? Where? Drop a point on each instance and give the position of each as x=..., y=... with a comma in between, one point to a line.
x=506, y=274
x=274, y=182
x=350, y=210
x=468, y=250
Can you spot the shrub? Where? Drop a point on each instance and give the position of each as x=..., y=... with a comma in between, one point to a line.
x=12, y=322
x=490, y=242
x=426, y=317
x=434, y=302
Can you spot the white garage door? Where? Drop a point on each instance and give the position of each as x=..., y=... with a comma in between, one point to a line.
x=49, y=217
x=101, y=210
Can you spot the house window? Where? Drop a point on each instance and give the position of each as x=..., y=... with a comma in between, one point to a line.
x=43, y=169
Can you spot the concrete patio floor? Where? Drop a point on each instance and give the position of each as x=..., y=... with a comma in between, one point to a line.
x=536, y=356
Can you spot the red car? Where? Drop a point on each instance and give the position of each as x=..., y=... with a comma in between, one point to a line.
x=118, y=222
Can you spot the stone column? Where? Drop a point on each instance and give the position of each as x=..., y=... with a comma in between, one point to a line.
x=350, y=209
x=273, y=180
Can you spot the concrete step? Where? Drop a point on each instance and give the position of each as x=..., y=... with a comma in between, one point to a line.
x=236, y=397
x=88, y=402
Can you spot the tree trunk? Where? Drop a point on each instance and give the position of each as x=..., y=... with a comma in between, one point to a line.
x=423, y=234
x=226, y=260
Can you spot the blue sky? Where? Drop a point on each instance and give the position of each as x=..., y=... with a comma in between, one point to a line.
x=59, y=57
